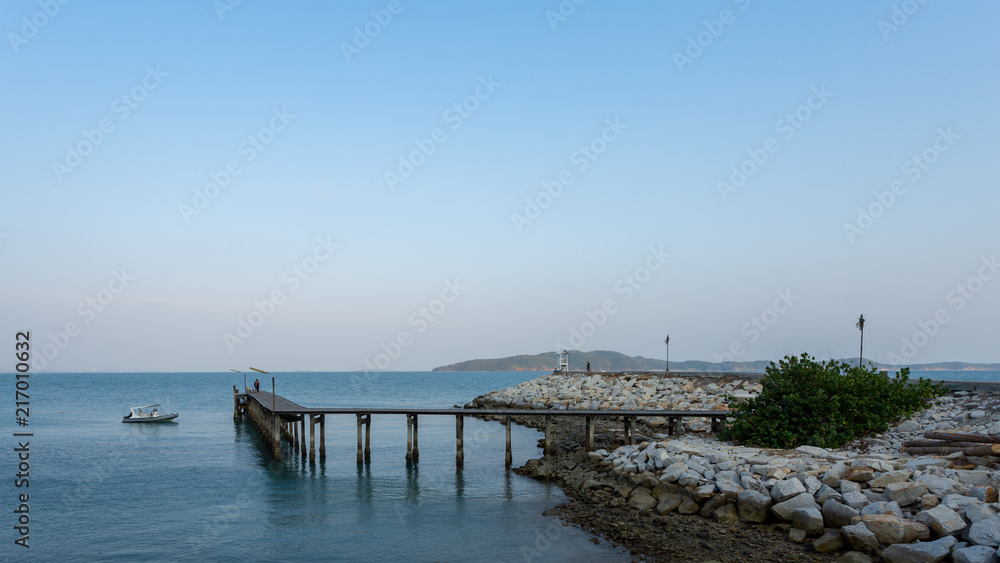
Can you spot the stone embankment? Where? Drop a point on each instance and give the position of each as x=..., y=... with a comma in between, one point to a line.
x=867, y=503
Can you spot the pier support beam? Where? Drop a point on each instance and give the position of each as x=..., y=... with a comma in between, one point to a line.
x=409, y=438
x=322, y=437
x=630, y=430
x=302, y=436
x=508, y=458
x=548, y=435
x=275, y=436
x=588, y=422
x=312, y=438
x=459, y=432
x=368, y=437
x=412, y=449
x=361, y=422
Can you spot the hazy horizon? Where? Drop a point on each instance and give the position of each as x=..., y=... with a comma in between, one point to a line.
x=398, y=186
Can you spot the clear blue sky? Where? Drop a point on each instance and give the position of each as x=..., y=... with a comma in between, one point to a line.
x=313, y=106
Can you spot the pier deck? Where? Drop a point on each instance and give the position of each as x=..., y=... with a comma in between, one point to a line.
x=276, y=416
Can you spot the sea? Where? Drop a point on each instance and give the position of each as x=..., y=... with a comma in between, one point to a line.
x=204, y=487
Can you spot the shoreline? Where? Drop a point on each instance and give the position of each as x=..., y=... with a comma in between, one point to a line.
x=691, y=497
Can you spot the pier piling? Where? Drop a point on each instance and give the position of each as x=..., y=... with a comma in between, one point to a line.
x=508, y=458
x=459, y=447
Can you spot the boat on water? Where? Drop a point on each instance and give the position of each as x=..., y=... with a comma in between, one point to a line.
x=144, y=414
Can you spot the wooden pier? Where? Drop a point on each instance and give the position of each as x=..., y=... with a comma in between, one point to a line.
x=276, y=417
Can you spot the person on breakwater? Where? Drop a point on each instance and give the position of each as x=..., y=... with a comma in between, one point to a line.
x=588, y=366
x=256, y=386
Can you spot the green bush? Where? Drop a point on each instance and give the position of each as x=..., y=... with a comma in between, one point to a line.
x=824, y=404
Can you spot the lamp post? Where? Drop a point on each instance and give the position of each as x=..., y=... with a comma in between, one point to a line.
x=244, y=378
x=667, y=342
x=861, y=327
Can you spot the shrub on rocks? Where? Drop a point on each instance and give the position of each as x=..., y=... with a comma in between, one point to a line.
x=824, y=404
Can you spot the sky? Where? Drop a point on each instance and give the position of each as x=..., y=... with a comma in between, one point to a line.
x=397, y=185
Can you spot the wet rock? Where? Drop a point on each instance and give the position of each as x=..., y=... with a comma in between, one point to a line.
x=829, y=542
x=854, y=557
x=860, y=537
x=921, y=552
x=668, y=502
x=808, y=519
x=836, y=515
x=975, y=554
x=753, y=506
x=726, y=514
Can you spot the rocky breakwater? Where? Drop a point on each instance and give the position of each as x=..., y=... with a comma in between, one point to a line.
x=624, y=392
x=875, y=504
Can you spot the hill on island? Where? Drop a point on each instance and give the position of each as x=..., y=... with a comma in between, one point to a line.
x=605, y=360
x=600, y=360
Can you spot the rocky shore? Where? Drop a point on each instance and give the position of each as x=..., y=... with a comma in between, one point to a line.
x=692, y=497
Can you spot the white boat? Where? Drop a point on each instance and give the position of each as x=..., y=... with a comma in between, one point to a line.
x=143, y=414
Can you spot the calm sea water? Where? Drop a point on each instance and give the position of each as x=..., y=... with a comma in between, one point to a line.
x=203, y=488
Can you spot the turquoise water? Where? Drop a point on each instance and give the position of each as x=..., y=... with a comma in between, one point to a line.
x=203, y=488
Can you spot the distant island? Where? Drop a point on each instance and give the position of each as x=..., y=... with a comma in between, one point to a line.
x=605, y=360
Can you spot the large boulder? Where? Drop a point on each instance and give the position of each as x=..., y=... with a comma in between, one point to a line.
x=786, y=489
x=808, y=519
x=889, y=529
x=837, y=515
x=783, y=510
x=753, y=506
x=920, y=552
x=943, y=520
x=643, y=500
x=829, y=542
x=986, y=532
x=975, y=554
x=905, y=493
x=668, y=502
x=890, y=477
x=860, y=537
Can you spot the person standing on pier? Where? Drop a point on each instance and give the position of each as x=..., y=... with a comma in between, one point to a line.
x=256, y=386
